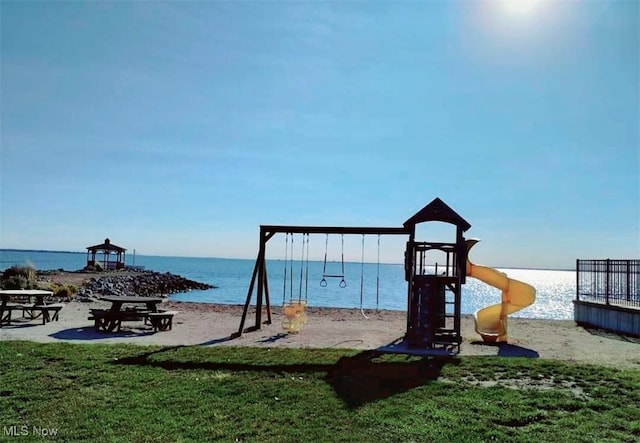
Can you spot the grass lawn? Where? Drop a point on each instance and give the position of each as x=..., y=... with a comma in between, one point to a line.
x=129, y=393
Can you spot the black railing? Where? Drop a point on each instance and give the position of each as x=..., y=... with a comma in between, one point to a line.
x=612, y=282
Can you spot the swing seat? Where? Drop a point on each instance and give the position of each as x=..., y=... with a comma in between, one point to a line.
x=294, y=316
x=294, y=308
x=295, y=323
x=291, y=325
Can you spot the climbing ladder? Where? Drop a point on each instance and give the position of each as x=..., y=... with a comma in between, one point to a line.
x=434, y=299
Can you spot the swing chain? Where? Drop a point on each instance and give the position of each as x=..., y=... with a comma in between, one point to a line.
x=286, y=260
x=306, y=277
x=323, y=282
x=362, y=281
x=378, y=277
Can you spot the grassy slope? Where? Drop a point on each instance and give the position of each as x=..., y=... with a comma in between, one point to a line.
x=131, y=393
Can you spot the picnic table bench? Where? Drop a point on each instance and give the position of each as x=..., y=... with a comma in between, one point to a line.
x=5, y=312
x=110, y=320
x=161, y=321
x=47, y=312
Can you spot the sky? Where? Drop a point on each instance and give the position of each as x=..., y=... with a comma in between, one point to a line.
x=178, y=128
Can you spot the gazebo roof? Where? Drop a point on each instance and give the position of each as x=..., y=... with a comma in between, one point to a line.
x=106, y=246
x=438, y=210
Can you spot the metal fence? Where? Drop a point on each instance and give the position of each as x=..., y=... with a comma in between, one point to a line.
x=612, y=282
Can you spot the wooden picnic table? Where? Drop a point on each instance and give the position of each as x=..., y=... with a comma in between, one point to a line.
x=111, y=320
x=37, y=294
x=8, y=297
x=117, y=301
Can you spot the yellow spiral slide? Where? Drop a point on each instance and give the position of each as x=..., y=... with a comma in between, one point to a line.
x=491, y=322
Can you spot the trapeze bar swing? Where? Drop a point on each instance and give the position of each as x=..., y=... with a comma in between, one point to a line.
x=323, y=282
x=343, y=283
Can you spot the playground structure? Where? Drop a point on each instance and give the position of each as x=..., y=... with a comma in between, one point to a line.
x=434, y=271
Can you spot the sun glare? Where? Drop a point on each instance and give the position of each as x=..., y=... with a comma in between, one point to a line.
x=520, y=8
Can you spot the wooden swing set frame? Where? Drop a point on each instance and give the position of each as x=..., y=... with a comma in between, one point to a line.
x=259, y=280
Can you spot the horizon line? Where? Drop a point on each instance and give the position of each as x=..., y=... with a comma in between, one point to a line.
x=274, y=259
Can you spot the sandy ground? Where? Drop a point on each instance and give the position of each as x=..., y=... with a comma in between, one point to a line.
x=212, y=325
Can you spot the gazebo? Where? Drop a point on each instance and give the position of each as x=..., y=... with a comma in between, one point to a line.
x=106, y=249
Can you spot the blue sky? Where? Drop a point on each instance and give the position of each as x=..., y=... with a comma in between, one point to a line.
x=177, y=128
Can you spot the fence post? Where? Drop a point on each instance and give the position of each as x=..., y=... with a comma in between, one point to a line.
x=577, y=279
x=607, y=282
x=629, y=280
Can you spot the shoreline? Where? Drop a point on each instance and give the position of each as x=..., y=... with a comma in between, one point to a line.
x=200, y=324
x=82, y=280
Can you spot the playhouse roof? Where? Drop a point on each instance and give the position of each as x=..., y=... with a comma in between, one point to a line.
x=438, y=210
x=106, y=246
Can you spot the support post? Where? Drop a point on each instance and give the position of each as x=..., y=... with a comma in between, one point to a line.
x=266, y=294
x=261, y=277
x=606, y=276
x=578, y=279
x=628, y=280
x=248, y=300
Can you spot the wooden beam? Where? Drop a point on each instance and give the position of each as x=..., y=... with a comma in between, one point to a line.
x=364, y=230
x=245, y=310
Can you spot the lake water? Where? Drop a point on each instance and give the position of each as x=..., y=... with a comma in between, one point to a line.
x=555, y=289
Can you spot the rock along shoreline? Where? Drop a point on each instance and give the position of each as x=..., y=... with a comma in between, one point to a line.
x=143, y=283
